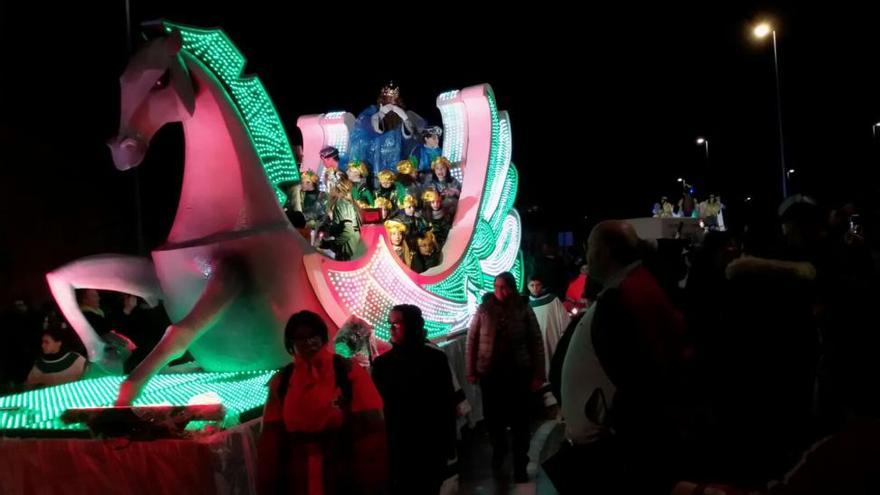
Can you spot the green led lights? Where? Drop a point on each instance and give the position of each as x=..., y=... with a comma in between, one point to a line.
x=214, y=49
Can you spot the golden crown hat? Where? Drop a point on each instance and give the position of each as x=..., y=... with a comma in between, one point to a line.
x=381, y=202
x=390, y=90
x=394, y=226
x=405, y=167
x=359, y=166
x=430, y=195
x=308, y=176
x=410, y=200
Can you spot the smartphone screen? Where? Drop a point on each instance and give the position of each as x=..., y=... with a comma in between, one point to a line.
x=855, y=224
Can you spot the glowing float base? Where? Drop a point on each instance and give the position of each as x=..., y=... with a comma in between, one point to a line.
x=242, y=393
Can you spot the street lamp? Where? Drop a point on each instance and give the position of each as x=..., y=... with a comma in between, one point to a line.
x=761, y=31
x=874, y=129
x=701, y=141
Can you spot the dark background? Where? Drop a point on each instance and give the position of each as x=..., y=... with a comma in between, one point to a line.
x=605, y=104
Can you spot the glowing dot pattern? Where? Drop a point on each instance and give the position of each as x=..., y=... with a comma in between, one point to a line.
x=215, y=50
x=484, y=259
x=41, y=409
x=453, y=114
x=372, y=290
x=335, y=131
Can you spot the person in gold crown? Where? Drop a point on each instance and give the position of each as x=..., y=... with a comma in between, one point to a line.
x=312, y=201
x=342, y=222
x=360, y=192
x=442, y=181
x=436, y=214
x=385, y=205
x=412, y=218
x=382, y=131
x=389, y=189
x=408, y=177
x=397, y=236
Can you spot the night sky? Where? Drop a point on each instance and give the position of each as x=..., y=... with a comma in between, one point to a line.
x=605, y=105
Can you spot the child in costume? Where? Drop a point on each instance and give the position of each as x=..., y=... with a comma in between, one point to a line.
x=389, y=189
x=360, y=192
x=408, y=177
x=442, y=181
x=313, y=201
x=437, y=215
x=425, y=154
x=397, y=236
x=410, y=216
x=428, y=255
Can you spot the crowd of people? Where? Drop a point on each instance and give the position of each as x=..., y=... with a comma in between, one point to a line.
x=710, y=210
x=409, y=183
x=731, y=364
x=386, y=418
x=738, y=362
x=43, y=350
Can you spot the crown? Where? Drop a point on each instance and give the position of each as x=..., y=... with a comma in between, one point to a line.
x=309, y=176
x=410, y=200
x=430, y=195
x=394, y=226
x=405, y=167
x=391, y=90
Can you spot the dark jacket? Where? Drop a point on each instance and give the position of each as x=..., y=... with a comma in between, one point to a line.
x=419, y=399
x=765, y=358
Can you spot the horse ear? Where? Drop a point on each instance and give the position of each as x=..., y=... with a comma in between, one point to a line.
x=173, y=42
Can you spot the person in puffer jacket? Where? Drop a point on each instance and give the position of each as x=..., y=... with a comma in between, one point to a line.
x=505, y=354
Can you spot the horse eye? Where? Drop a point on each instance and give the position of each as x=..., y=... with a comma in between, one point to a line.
x=162, y=82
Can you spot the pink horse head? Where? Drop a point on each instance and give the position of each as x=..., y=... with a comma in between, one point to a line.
x=156, y=89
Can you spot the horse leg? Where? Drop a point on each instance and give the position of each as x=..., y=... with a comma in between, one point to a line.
x=223, y=287
x=116, y=272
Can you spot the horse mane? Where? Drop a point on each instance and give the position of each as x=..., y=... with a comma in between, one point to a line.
x=214, y=49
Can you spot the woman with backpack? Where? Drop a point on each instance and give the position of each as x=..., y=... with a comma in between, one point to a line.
x=323, y=428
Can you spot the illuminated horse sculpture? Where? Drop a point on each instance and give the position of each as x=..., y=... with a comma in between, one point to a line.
x=233, y=269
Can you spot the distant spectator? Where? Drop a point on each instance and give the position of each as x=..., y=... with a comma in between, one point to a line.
x=56, y=365
x=551, y=315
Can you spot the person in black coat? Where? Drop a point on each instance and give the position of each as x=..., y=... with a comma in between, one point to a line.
x=417, y=389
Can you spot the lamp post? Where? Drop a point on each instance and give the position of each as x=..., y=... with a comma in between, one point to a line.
x=761, y=31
